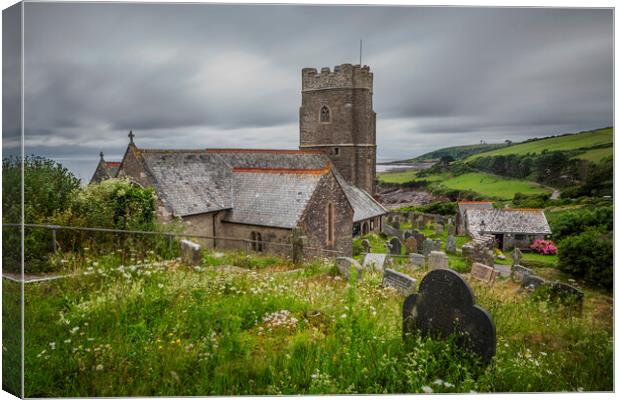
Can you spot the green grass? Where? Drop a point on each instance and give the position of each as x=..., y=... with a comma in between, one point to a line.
x=493, y=186
x=563, y=143
x=164, y=330
x=596, y=155
x=408, y=176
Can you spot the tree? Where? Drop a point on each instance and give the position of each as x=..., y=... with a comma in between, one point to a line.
x=447, y=159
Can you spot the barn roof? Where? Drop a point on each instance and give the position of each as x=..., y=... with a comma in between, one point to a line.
x=520, y=221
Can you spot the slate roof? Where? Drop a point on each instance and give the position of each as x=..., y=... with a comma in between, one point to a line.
x=275, y=197
x=470, y=205
x=525, y=221
x=193, y=182
x=364, y=206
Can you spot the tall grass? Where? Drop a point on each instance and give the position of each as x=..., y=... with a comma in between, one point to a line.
x=164, y=329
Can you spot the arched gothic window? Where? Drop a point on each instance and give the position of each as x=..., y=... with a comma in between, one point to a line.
x=324, y=117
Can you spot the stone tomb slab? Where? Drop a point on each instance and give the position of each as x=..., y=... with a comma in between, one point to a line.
x=375, y=261
x=566, y=293
x=190, y=253
x=344, y=265
x=445, y=304
x=404, y=284
x=518, y=273
x=483, y=273
x=532, y=282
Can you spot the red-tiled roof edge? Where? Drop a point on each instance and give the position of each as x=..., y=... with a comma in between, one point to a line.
x=283, y=170
x=276, y=151
x=113, y=163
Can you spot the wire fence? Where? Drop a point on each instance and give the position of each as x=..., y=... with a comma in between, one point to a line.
x=48, y=240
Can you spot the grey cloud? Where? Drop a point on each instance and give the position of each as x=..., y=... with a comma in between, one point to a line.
x=185, y=75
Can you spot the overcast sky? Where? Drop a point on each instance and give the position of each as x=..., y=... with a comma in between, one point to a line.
x=195, y=76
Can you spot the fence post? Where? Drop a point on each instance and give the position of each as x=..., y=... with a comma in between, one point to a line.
x=297, y=241
x=54, y=245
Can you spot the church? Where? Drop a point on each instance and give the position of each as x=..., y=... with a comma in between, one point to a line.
x=253, y=199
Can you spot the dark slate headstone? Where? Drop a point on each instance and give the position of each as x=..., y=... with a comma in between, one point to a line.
x=532, y=282
x=566, y=293
x=365, y=246
x=395, y=246
x=404, y=284
x=344, y=265
x=190, y=253
x=518, y=273
x=445, y=304
x=407, y=234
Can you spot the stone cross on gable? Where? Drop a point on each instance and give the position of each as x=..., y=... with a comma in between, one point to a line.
x=101, y=155
x=131, y=135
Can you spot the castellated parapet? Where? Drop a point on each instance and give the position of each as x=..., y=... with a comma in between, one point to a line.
x=347, y=76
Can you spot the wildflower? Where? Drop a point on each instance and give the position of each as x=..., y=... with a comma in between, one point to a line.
x=90, y=339
x=99, y=367
x=75, y=329
x=53, y=345
x=448, y=384
x=543, y=353
x=68, y=341
x=438, y=382
x=343, y=316
x=41, y=353
x=160, y=285
x=427, y=389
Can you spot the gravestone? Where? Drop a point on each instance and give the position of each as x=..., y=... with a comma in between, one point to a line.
x=418, y=260
x=365, y=246
x=404, y=284
x=445, y=304
x=436, y=245
x=391, y=231
x=451, y=229
x=483, y=273
x=420, y=222
x=412, y=245
x=437, y=260
x=407, y=234
x=532, y=282
x=190, y=253
x=396, y=224
x=518, y=273
x=420, y=238
x=375, y=261
x=427, y=246
x=451, y=244
x=395, y=246
x=344, y=265
x=566, y=293
x=388, y=247
x=516, y=256
x=439, y=229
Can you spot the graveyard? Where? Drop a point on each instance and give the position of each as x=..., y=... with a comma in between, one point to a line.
x=231, y=323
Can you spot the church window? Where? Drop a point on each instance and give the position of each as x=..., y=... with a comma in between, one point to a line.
x=325, y=114
x=331, y=224
x=336, y=151
x=257, y=244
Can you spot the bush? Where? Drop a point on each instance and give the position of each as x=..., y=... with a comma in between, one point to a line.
x=573, y=223
x=544, y=247
x=588, y=255
x=530, y=201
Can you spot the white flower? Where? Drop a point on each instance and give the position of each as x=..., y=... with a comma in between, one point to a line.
x=99, y=367
x=53, y=345
x=68, y=341
x=427, y=389
x=160, y=285
x=438, y=382
x=343, y=316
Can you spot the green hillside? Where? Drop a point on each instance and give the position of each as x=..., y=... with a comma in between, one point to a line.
x=583, y=140
x=458, y=152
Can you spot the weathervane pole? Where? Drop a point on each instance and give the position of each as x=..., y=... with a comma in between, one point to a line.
x=360, y=52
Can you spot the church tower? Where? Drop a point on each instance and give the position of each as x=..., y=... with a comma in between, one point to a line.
x=336, y=117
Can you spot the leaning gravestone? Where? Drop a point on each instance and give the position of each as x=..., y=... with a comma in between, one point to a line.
x=412, y=245
x=418, y=260
x=344, y=265
x=516, y=256
x=445, y=305
x=190, y=253
x=518, y=273
x=532, y=282
x=566, y=293
x=427, y=247
x=483, y=273
x=451, y=244
x=365, y=246
x=395, y=246
x=407, y=234
x=437, y=260
x=375, y=261
x=404, y=284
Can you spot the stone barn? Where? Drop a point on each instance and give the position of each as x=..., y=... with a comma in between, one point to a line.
x=510, y=227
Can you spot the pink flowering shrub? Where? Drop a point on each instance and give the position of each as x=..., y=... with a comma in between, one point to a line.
x=544, y=247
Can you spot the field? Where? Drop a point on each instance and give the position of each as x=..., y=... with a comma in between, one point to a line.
x=271, y=328
x=408, y=176
x=596, y=155
x=568, y=142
